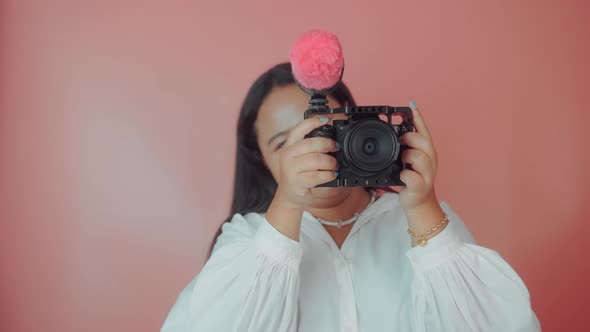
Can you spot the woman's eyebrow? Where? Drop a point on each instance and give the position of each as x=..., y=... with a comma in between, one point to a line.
x=280, y=133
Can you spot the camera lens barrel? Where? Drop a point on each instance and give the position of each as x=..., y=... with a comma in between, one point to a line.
x=371, y=146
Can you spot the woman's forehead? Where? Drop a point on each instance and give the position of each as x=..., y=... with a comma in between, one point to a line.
x=282, y=109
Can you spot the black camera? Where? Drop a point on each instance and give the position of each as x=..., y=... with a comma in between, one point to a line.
x=370, y=153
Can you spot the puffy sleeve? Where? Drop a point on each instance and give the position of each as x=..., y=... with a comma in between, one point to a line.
x=250, y=282
x=461, y=286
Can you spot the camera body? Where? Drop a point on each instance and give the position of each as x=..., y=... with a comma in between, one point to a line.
x=370, y=153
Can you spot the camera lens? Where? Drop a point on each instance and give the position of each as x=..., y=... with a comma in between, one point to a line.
x=371, y=145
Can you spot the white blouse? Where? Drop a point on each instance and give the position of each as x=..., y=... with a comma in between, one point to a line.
x=257, y=279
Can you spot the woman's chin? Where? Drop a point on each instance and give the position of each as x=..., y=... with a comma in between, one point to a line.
x=329, y=192
x=326, y=197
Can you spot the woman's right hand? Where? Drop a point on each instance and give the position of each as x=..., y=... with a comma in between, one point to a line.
x=304, y=163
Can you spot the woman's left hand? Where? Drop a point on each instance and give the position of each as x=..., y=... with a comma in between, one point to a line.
x=419, y=197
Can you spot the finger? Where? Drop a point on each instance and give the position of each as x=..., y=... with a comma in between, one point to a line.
x=421, y=163
x=315, y=178
x=315, y=162
x=303, y=128
x=309, y=145
x=419, y=121
x=412, y=179
x=420, y=142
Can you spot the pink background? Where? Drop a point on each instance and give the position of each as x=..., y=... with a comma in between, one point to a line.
x=117, y=138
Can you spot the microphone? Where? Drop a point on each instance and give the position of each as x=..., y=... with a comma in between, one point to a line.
x=317, y=62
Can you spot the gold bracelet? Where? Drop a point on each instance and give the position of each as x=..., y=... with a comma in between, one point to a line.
x=422, y=237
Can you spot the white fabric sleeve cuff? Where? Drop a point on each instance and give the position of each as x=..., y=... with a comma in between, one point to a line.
x=440, y=247
x=278, y=246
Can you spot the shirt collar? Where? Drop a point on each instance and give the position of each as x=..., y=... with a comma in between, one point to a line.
x=384, y=202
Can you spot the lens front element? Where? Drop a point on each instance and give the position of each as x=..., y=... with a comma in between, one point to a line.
x=371, y=145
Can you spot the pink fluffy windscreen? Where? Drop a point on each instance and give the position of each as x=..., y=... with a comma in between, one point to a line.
x=317, y=60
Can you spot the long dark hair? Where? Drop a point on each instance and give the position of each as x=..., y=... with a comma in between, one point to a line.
x=254, y=185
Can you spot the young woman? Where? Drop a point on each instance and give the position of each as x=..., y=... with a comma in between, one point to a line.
x=395, y=261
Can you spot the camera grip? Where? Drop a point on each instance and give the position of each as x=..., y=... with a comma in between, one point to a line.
x=327, y=131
